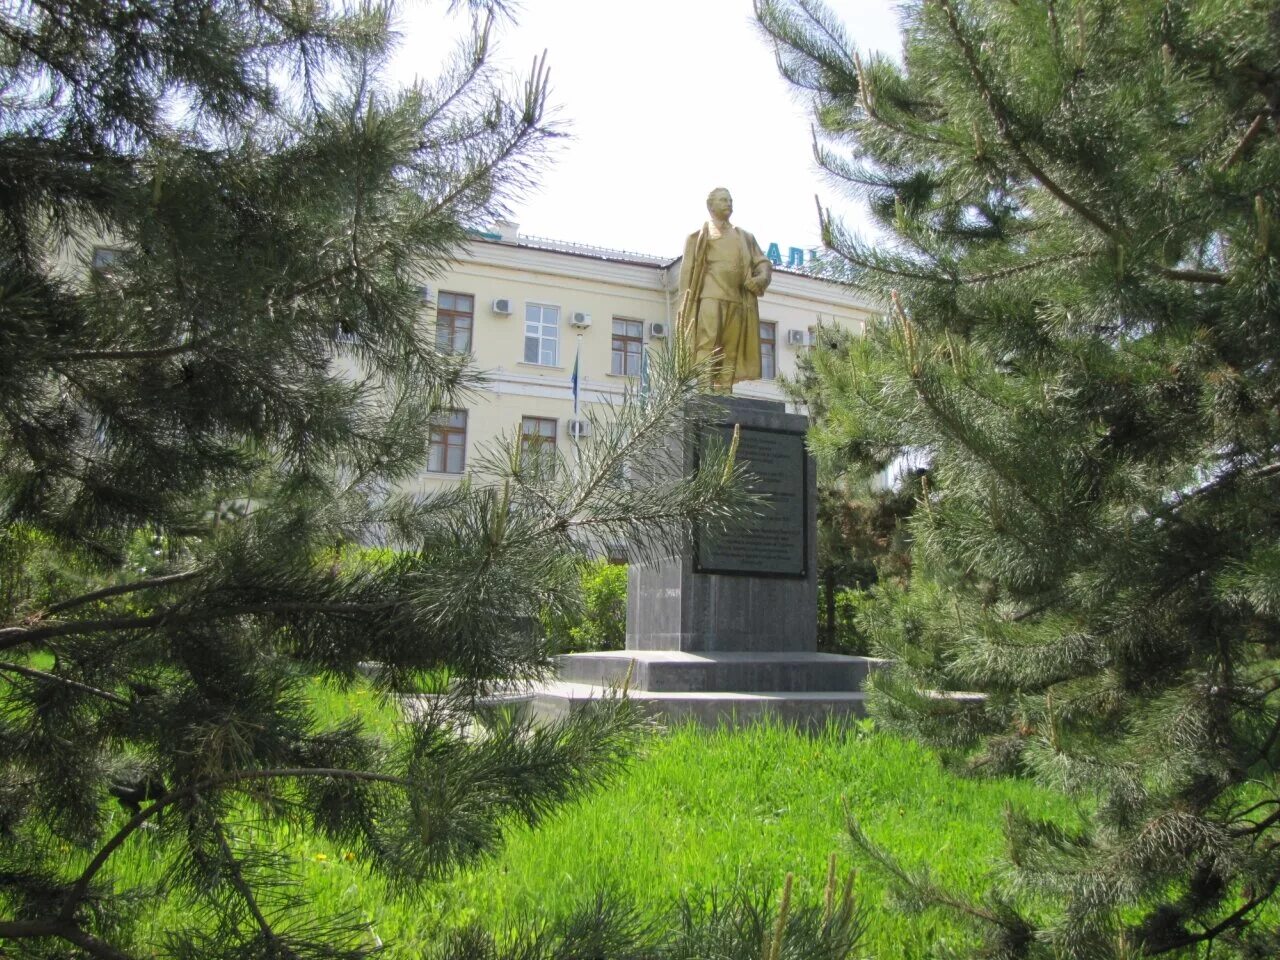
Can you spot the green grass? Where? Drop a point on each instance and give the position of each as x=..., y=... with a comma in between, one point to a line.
x=698, y=810
x=714, y=809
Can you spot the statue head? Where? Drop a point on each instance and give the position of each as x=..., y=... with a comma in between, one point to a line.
x=720, y=203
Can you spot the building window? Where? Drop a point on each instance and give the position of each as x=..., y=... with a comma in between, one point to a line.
x=455, y=317
x=541, y=334
x=768, y=350
x=105, y=260
x=538, y=442
x=628, y=347
x=448, y=452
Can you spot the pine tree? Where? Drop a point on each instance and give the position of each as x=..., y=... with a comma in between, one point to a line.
x=1082, y=330
x=863, y=541
x=203, y=439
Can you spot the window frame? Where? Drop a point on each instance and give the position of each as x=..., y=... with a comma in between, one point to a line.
x=104, y=260
x=545, y=443
x=626, y=338
x=772, y=341
x=447, y=319
x=439, y=437
x=540, y=336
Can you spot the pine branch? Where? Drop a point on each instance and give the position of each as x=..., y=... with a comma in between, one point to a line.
x=1194, y=276
x=152, y=583
x=829, y=27
x=68, y=931
x=920, y=882
x=11, y=637
x=1216, y=487
x=81, y=886
x=159, y=353
x=867, y=98
x=638, y=440
x=1038, y=609
x=1103, y=522
x=319, y=283
x=630, y=517
x=1256, y=827
x=1269, y=743
x=65, y=681
x=245, y=218
x=536, y=88
x=1004, y=125
x=1012, y=271
x=277, y=948
x=1236, y=919
x=175, y=616
x=956, y=427
x=478, y=60
x=1249, y=136
x=1259, y=827
x=526, y=481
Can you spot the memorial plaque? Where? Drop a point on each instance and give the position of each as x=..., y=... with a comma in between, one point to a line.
x=775, y=543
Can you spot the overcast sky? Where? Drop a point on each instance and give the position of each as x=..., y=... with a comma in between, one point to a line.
x=664, y=99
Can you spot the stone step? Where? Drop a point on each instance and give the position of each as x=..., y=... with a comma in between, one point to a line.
x=811, y=709
x=674, y=671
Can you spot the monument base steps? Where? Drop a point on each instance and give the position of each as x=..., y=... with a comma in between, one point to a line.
x=678, y=671
x=714, y=688
x=808, y=709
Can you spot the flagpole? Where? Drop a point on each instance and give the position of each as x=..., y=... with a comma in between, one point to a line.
x=573, y=439
x=644, y=376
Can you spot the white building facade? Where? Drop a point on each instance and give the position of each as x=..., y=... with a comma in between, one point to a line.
x=523, y=307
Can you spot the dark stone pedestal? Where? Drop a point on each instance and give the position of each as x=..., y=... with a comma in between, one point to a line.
x=770, y=600
x=727, y=631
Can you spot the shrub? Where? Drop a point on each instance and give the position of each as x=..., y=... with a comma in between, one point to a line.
x=849, y=638
x=600, y=623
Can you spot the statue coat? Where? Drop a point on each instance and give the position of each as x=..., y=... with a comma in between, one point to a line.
x=692, y=272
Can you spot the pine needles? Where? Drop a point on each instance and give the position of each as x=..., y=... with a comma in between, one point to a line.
x=215, y=221
x=1079, y=345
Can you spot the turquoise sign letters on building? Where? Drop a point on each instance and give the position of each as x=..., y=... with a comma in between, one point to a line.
x=795, y=256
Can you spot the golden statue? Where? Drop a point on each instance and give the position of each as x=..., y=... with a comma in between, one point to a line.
x=721, y=278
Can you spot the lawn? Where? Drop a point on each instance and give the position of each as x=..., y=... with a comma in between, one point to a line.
x=713, y=809
x=697, y=810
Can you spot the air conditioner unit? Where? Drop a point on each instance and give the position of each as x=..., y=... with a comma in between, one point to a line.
x=797, y=338
x=657, y=330
x=580, y=320
x=502, y=306
x=579, y=428
x=426, y=295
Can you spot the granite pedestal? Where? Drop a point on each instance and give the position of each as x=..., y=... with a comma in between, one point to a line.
x=735, y=592
x=726, y=631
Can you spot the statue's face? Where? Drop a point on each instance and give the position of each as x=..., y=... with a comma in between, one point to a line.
x=720, y=204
